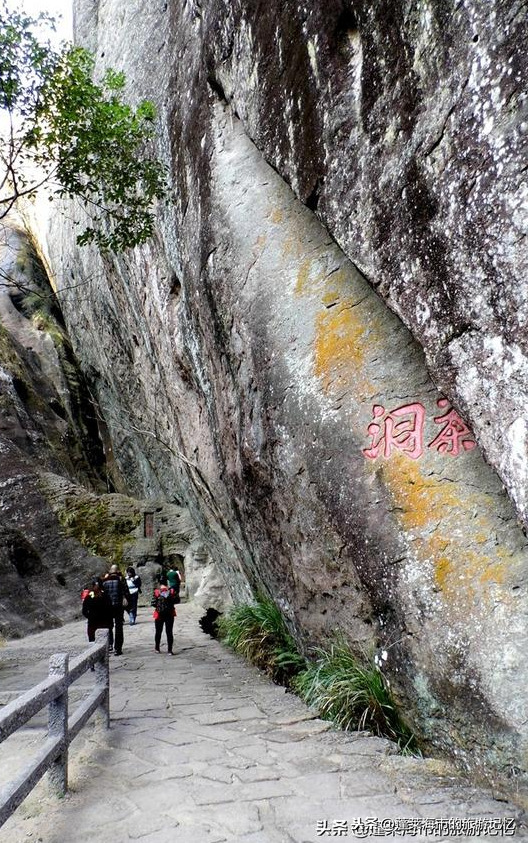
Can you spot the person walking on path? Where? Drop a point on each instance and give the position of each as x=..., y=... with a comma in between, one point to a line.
x=164, y=614
x=97, y=609
x=174, y=580
x=133, y=582
x=117, y=590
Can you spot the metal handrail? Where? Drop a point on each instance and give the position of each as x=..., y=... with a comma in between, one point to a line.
x=53, y=692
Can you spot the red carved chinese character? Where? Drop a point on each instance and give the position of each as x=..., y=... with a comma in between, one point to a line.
x=400, y=429
x=455, y=433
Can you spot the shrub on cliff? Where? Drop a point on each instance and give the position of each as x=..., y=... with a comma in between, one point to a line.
x=60, y=129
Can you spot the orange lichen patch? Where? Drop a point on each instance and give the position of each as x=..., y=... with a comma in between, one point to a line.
x=309, y=277
x=442, y=572
x=471, y=571
x=432, y=509
x=330, y=298
x=421, y=500
x=342, y=346
x=346, y=336
x=465, y=573
x=293, y=247
x=494, y=573
x=312, y=280
x=336, y=282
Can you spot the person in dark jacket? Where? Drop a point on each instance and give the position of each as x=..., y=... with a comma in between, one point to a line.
x=164, y=613
x=117, y=591
x=174, y=582
x=97, y=609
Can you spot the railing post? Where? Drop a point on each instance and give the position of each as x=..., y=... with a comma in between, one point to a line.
x=102, y=678
x=58, y=724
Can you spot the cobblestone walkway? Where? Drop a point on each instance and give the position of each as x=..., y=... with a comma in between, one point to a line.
x=204, y=749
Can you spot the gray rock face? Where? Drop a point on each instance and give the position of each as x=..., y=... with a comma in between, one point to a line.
x=47, y=423
x=406, y=128
x=59, y=526
x=249, y=372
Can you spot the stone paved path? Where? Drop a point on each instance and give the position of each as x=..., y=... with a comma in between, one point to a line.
x=204, y=749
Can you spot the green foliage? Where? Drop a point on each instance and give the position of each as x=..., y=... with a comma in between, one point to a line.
x=349, y=691
x=78, y=137
x=258, y=633
x=353, y=694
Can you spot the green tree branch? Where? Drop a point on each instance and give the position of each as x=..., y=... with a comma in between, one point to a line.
x=78, y=137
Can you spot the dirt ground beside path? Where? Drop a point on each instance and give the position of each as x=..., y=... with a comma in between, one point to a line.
x=204, y=749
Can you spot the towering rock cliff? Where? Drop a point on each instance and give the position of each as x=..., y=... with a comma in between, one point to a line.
x=47, y=424
x=322, y=353
x=63, y=519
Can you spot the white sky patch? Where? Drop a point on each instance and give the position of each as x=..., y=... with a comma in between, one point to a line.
x=61, y=10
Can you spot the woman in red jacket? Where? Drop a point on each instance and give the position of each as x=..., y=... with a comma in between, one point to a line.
x=164, y=614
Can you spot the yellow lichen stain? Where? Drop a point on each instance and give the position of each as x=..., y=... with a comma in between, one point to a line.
x=276, y=216
x=424, y=502
x=330, y=298
x=342, y=346
x=343, y=336
x=260, y=243
x=420, y=499
x=494, y=573
x=309, y=277
x=292, y=247
x=442, y=572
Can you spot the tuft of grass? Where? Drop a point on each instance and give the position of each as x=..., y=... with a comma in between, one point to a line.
x=353, y=694
x=258, y=632
x=346, y=689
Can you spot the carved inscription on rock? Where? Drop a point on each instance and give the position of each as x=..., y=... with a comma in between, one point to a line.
x=404, y=429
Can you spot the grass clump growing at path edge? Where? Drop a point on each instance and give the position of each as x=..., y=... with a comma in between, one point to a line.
x=353, y=694
x=347, y=690
x=258, y=632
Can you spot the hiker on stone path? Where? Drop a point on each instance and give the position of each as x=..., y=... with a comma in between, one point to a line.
x=164, y=614
x=97, y=609
x=133, y=582
x=117, y=590
x=174, y=580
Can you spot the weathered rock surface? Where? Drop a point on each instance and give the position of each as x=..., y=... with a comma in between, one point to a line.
x=248, y=371
x=46, y=423
x=59, y=526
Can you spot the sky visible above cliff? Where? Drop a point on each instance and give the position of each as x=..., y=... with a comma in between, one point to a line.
x=61, y=10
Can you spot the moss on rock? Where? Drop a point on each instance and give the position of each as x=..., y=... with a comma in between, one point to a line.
x=100, y=530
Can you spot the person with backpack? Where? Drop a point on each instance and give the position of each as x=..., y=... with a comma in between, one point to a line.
x=117, y=591
x=174, y=580
x=164, y=614
x=133, y=582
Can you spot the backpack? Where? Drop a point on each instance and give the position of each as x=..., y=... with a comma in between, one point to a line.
x=164, y=603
